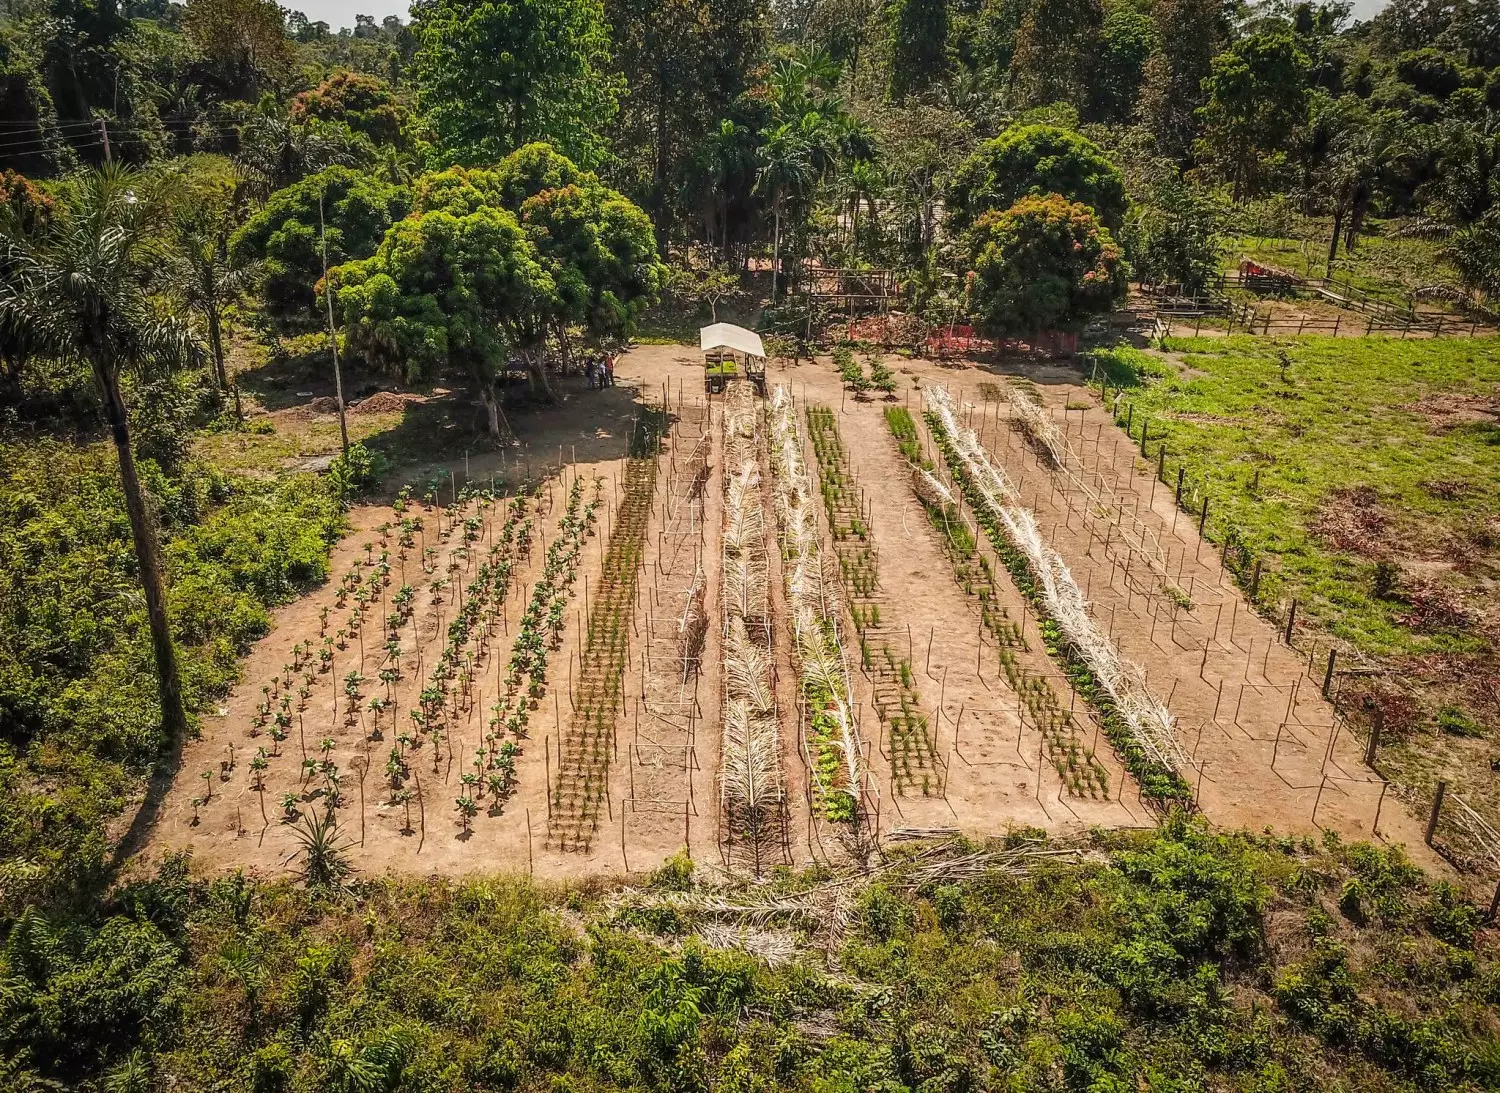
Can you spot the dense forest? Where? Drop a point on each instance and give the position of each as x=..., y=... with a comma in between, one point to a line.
x=196, y=195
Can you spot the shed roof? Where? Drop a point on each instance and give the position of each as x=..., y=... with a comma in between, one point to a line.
x=729, y=336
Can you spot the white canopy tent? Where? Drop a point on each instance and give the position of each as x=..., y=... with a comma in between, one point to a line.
x=721, y=336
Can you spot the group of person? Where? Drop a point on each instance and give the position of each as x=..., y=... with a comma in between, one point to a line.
x=600, y=371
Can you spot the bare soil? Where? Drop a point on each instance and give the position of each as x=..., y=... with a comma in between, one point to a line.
x=1265, y=742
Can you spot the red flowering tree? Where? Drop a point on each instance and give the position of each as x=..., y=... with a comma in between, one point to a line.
x=1043, y=264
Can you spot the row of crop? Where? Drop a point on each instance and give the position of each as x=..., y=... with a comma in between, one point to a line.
x=584, y=757
x=365, y=582
x=898, y=704
x=823, y=671
x=1082, y=772
x=750, y=783
x=1138, y=724
x=881, y=378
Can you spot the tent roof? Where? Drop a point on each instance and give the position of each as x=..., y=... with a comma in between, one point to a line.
x=729, y=336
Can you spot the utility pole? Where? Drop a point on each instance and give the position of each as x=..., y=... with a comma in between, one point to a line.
x=333, y=338
x=104, y=134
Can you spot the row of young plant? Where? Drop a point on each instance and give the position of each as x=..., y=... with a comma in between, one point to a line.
x=583, y=759
x=750, y=783
x=1075, y=764
x=365, y=583
x=898, y=704
x=1137, y=723
x=539, y=630
x=881, y=378
x=823, y=671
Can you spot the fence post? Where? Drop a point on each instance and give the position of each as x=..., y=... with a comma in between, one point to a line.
x=1336, y=320
x=1291, y=621
x=1328, y=674
x=1377, y=723
x=1255, y=581
x=1437, y=808
x=1177, y=497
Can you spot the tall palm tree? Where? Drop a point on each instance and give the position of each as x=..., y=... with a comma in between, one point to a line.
x=786, y=170
x=78, y=287
x=199, y=272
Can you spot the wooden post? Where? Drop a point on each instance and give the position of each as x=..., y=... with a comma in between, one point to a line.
x=1437, y=808
x=1291, y=620
x=1255, y=581
x=1376, y=724
x=1328, y=672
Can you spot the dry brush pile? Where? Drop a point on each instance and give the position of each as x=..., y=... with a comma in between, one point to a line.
x=832, y=737
x=751, y=787
x=1138, y=723
x=898, y=703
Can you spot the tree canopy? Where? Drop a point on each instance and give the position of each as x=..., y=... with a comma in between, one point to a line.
x=356, y=211
x=1035, y=160
x=498, y=74
x=1043, y=264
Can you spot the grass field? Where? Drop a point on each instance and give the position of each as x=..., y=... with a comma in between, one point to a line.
x=1362, y=472
x=1388, y=267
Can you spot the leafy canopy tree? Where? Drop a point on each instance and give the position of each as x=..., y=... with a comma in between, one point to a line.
x=1174, y=233
x=1126, y=42
x=685, y=63
x=1056, y=51
x=1035, y=160
x=601, y=251
x=1257, y=96
x=1043, y=264
x=447, y=291
x=498, y=74
x=242, y=45
x=27, y=211
x=357, y=210
x=362, y=102
x=533, y=245
x=1188, y=34
x=918, y=31
x=77, y=286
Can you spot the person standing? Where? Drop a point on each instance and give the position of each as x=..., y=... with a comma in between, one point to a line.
x=588, y=372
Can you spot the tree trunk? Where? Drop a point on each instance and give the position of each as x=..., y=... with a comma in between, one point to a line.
x=147, y=555
x=536, y=367
x=776, y=251
x=221, y=373
x=1333, y=242
x=1356, y=219
x=499, y=425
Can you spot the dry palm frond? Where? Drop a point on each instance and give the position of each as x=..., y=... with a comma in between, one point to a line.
x=1150, y=722
x=750, y=767
x=930, y=490
x=1132, y=533
x=813, y=604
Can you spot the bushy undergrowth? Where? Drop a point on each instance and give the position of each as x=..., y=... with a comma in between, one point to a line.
x=79, y=720
x=1174, y=960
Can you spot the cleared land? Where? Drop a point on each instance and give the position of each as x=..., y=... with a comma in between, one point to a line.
x=939, y=636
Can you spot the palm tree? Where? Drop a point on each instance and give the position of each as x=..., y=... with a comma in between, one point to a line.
x=78, y=288
x=862, y=184
x=786, y=170
x=199, y=271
